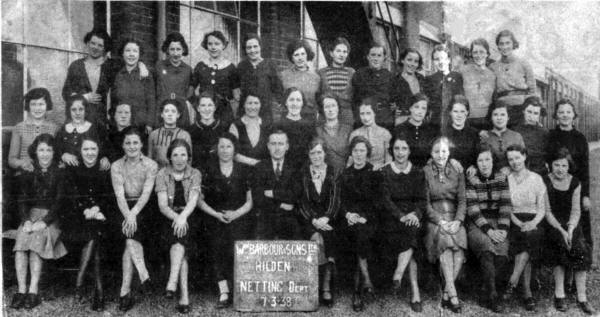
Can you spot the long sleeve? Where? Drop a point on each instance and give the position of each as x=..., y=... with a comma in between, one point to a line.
x=14, y=152
x=473, y=210
x=584, y=166
x=334, y=198
x=57, y=201
x=23, y=197
x=529, y=77
x=150, y=96
x=504, y=206
x=419, y=195
x=306, y=210
x=432, y=215
x=461, y=208
x=288, y=191
x=388, y=203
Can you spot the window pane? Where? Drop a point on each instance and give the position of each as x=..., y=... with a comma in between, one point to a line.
x=12, y=84
x=47, y=69
x=246, y=29
x=12, y=21
x=229, y=28
x=205, y=4
x=82, y=21
x=249, y=10
x=202, y=22
x=229, y=7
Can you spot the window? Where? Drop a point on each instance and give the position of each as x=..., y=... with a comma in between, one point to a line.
x=310, y=35
x=388, y=32
x=40, y=38
x=234, y=18
x=426, y=48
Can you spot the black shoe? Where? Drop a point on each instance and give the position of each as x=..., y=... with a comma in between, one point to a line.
x=417, y=307
x=357, y=302
x=223, y=303
x=368, y=293
x=560, y=304
x=97, y=302
x=586, y=307
x=79, y=294
x=495, y=304
x=327, y=301
x=184, y=309
x=32, y=300
x=18, y=301
x=396, y=286
x=126, y=302
x=530, y=304
x=169, y=294
x=455, y=308
x=146, y=287
x=510, y=292
x=445, y=302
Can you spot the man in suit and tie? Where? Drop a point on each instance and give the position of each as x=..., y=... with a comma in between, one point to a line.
x=275, y=192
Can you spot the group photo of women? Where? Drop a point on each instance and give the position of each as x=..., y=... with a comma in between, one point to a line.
x=404, y=181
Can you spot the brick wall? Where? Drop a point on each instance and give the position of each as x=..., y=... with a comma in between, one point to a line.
x=280, y=26
x=172, y=16
x=137, y=19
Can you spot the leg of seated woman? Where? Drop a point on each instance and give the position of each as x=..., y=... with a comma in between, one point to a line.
x=177, y=252
x=559, y=281
x=35, y=266
x=183, y=282
x=580, y=279
x=520, y=261
x=414, y=280
x=21, y=266
x=127, y=272
x=488, y=268
x=98, y=270
x=447, y=267
x=527, y=280
x=459, y=260
x=328, y=268
x=357, y=277
x=403, y=261
x=86, y=255
x=137, y=256
x=364, y=270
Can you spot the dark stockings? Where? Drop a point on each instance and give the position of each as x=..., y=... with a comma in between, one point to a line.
x=491, y=265
x=90, y=251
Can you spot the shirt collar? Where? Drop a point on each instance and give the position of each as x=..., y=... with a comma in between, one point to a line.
x=246, y=120
x=274, y=163
x=405, y=171
x=187, y=173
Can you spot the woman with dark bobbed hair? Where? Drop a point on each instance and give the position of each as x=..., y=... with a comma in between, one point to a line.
x=131, y=89
x=410, y=81
x=404, y=198
x=37, y=104
x=41, y=194
x=87, y=221
x=226, y=202
x=259, y=76
x=178, y=189
x=566, y=135
x=529, y=200
x=565, y=245
x=534, y=134
x=215, y=73
x=174, y=77
x=464, y=137
x=252, y=132
x=302, y=77
x=359, y=186
x=488, y=213
x=319, y=206
x=479, y=83
x=514, y=76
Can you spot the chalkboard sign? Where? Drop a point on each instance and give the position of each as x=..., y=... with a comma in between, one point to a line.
x=276, y=276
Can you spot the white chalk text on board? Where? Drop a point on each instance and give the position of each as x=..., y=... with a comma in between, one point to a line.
x=276, y=276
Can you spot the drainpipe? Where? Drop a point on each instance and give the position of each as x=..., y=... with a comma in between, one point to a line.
x=161, y=27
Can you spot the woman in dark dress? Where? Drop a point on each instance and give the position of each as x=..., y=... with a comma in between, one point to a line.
x=319, y=205
x=534, y=134
x=299, y=130
x=258, y=75
x=122, y=117
x=132, y=179
x=226, y=200
x=217, y=75
x=488, y=214
x=205, y=131
x=410, y=81
x=404, y=201
x=178, y=189
x=566, y=135
x=565, y=244
x=86, y=221
x=40, y=199
x=252, y=132
x=359, y=192
x=464, y=137
x=334, y=132
x=419, y=133
x=68, y=138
